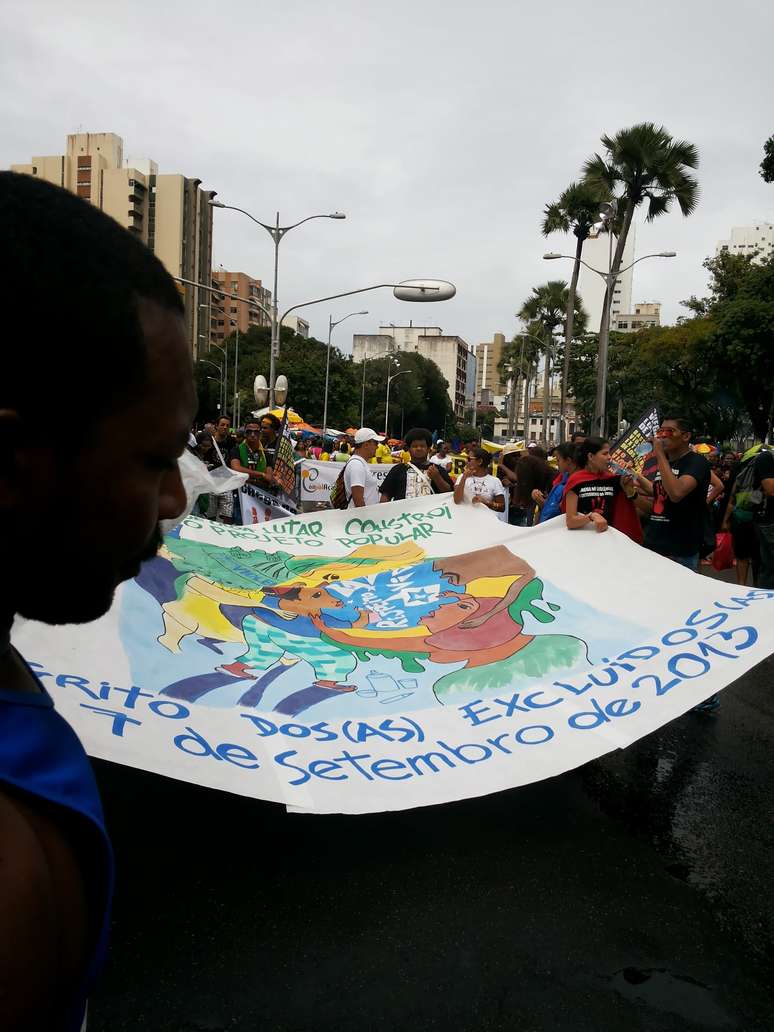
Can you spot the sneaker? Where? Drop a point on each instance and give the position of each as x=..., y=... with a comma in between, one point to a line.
x=709, y=705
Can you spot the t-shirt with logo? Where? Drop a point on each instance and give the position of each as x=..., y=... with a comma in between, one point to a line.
x=677, y=528
x=598, y=495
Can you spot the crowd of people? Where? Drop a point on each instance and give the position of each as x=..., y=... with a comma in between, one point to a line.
x=676, y=505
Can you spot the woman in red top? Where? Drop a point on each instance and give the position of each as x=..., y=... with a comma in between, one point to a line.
x=595, y=495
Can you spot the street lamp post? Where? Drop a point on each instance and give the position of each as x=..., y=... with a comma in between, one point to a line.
x=331, y=326
x=390, y=378
x=600, y=405
x=276, y=232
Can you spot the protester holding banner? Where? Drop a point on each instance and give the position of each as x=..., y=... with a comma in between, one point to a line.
x=360, y=487
x=476, y=486
x=594, y=495
x=678, y=516
x=252, y=457
x=418, y=476
x=113, y=483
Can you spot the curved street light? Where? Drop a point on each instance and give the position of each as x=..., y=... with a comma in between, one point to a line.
x=332, y=324
x=276, y=232
x=390, y=378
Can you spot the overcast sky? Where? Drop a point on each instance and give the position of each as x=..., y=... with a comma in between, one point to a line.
x=440, y=128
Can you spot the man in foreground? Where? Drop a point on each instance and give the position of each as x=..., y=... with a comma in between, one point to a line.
x=417, y=477
x=102, y=498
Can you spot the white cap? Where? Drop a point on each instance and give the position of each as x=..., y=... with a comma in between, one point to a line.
x=365, y=433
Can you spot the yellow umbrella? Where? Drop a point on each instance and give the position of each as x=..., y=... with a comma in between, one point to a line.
x=293, y=417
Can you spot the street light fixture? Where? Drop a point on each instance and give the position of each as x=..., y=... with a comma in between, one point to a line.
x=331, y=326
x=600, y=414
x=390, y=378
x=276, y=232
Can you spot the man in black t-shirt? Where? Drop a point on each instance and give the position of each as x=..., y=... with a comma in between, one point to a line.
x=680, y=486
x=763, y=480
x=418, y=477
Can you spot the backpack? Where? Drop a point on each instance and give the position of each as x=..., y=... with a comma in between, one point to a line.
x=748, y=498
x=338, y=493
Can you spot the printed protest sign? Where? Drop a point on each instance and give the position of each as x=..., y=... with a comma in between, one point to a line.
x=401, y=655
x=631, y=449
x=318, y=478
x=257, y=506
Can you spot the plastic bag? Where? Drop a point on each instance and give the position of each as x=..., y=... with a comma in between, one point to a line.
x=723, y=556
x=198, y=480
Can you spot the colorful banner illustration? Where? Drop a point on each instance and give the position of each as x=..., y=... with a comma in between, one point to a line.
x=390, y=657
x=317, y=478
x=631, y=449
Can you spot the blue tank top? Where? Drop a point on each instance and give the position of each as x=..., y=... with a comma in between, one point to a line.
x=41, y=755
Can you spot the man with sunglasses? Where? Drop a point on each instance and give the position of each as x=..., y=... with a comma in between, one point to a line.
x=255, y=457
x=680, y=486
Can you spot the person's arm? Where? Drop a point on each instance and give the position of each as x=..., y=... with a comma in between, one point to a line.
x=357, y=474
x=538, y=498
x=716, y=488
x=502, y=470
x=577, y=520
x=496, y=504
x=459, y=488
x=260, y=476
x=675, y=488
x=439, y=479
x=43, y=918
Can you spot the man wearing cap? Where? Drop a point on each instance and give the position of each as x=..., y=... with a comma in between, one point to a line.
x=359, y=484
x=417, y=477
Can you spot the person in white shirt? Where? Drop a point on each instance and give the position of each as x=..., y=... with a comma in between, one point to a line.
x=477, y=486
x=360, y=485
x=441, y=457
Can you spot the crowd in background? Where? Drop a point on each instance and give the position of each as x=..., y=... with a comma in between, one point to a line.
x=680, y=503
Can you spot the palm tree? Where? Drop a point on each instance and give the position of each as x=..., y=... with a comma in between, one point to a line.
x=544, y=310
x=515, y=367
x=643, y=163
x=576, y=211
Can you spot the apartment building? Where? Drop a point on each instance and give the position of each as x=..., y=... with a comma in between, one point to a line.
x=170, y=213
x=228, y=314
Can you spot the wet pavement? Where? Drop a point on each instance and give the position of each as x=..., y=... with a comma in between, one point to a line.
x=633, y=894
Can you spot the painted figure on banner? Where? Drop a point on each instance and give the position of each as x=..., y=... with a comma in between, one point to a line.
x=260, y=621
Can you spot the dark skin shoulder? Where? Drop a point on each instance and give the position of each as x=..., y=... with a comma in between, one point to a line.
x=43, y=908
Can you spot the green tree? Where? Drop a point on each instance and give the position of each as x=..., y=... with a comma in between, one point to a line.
x=740, y=306
x=301, y=359
x=642, y=163
x=518, y=361
x=420, y=398
x=767, y=165
x=576, y=211
x=544, y=310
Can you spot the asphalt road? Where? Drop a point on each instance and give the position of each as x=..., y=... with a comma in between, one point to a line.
x=633, y=894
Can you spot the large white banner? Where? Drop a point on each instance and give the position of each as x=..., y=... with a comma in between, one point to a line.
x=397, y=656
x=317, y=478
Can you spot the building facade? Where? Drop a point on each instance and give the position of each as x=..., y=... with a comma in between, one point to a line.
x=489, y=355
x=169, y=213
x=450, y=353
x=749, y=240
x=297, y=325
x=645, y=314
x=228, y=314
